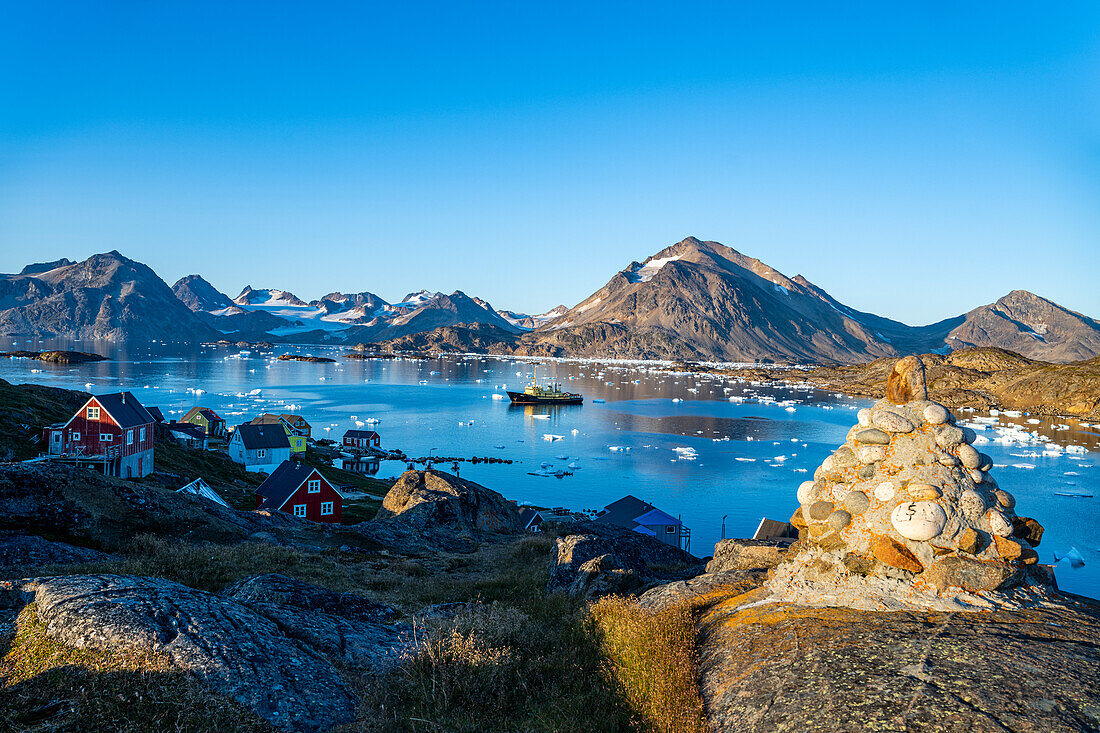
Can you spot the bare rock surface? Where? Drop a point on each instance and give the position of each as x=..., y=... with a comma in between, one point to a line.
x=781, y=667
x=721, y=583
x=737, y=554
x=225, y=644
x=19, y=551
x=434, y=510
x=602, y=559
x=358, y=631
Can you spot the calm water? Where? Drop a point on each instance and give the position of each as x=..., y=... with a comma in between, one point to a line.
x=749, y=455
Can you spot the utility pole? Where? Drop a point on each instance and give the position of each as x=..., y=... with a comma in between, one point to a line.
x=724, y=525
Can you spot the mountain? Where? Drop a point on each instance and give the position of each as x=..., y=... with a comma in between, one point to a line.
x=249, y=296
x=107, y=296
x=423, y=312
x=46, y=266
x=1030, y=325
x=356, y=307
x=703, y=300
x=199, y=295
x=528, y=323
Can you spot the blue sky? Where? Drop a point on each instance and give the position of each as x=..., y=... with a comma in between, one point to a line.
x=915, y=160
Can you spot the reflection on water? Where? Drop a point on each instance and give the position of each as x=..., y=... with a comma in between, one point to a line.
x=695, y=446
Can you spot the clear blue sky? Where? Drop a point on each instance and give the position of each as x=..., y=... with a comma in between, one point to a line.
x=915, y=160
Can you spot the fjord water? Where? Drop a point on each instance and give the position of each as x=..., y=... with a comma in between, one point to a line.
x=746, y=459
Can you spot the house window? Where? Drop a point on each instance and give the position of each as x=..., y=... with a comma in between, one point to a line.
x=261, y=453
x=671, y=529
x=314, y=487
x=326, y=508
x=129, y=437
x=93, y=413
x=299, y=510
x=106, y=437
x=76, y=435
x=141, y=434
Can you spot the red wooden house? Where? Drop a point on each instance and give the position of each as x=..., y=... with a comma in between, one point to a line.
x=361, y=439
x=112, y=433
x=301, y=491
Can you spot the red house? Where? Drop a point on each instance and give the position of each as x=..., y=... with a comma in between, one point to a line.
x=361, y=439
x=111, y=432
x=301, y=491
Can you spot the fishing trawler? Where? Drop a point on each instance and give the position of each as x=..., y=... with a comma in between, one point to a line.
x=551, y=394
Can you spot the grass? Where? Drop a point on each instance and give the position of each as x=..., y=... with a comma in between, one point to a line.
x=652, y=659
x=512, y=659
x=46, y=685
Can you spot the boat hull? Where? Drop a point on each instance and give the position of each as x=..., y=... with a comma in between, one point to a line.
x=522, y=398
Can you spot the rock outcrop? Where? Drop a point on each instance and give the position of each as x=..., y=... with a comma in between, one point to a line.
x=978, y=378
x=355, y=630
x=781, y=667
x=601, y=559
x=223, y=643
x=906, y=514
x=735, y=554
x=436, y=510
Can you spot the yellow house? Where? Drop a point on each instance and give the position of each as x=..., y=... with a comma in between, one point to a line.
x=293, y=434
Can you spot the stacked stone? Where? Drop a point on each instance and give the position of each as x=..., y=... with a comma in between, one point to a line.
x=908, y=498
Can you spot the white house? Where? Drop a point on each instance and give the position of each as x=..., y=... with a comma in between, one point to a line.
x=259, y=447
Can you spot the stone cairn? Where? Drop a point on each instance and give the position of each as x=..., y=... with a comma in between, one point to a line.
x=906, y=515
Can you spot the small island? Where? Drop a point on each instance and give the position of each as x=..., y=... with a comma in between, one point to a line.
x=298, y=357
x=55, y=357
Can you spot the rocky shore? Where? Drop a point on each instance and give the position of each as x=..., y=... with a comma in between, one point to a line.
x=980, y=378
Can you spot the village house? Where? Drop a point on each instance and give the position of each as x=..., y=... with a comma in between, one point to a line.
x=298, y=424
x=111, y=433
x=633, y=513
x=296, y=438
x=302, y=491
x=259, y=447
x=361, y=439
x=186, y=434
x=206, y=419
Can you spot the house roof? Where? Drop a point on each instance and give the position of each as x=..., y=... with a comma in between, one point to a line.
x=262, y=436
x=267, y=419
x=124, y=409
x=293, y=418
x=655, y=517
x=206, y=412
x=156, y=413
x=360, y=434
x=527, y=516
x=186, y=428
x=284, y=481
x=770, y=529
x=622, y=512
x=198, y=487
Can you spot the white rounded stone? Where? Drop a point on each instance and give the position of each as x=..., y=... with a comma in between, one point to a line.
x=1005, y=499
x=804, y=490
x=935, y=414
x=999, y=523
x=864, y=417
x=870, y=453
x=840, y=492
x=976, y=476
x=892, y=422
x=884, y=491
x=968, y=455
x=918, y=520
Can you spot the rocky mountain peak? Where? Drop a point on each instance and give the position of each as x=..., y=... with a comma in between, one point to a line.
x=199, y=295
